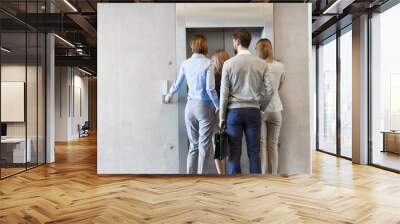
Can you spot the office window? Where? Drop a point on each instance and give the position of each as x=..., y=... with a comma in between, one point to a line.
x=327, y=97
x=346, y=94
x=385, y=88
x=13, y=148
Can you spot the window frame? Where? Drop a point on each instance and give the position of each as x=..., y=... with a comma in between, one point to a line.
x=334, y=37
x=381, y=9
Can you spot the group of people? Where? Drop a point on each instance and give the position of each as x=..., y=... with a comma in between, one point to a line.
x=241, y=92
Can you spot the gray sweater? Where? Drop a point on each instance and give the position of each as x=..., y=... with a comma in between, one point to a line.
x=245, y=83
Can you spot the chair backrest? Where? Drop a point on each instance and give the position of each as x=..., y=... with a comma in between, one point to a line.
x=86, y=125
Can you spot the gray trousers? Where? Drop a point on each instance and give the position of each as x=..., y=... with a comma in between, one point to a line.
x=200, y=123
x=270, y=129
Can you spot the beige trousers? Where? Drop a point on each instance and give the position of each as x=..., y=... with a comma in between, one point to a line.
x=270, y=130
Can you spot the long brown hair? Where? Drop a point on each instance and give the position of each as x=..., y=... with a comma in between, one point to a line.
x=218, y=59
x=264, y=49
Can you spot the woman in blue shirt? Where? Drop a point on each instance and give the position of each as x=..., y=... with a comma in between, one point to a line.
x=202, y=105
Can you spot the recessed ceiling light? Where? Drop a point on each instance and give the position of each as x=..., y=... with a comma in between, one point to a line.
x=5, y=50
x=65, y=41
x=338, y=6
x=84, y=71
x=70, y=5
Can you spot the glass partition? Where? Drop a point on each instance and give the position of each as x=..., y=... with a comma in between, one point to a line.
x=327, y=97
x=385, y=89
x=14, y=153
x=22, y=88
x=346, y=94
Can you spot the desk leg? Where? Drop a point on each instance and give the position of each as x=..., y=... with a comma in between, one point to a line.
x=384, y=142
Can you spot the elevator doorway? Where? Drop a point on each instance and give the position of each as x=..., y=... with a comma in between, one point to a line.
x=221, y=38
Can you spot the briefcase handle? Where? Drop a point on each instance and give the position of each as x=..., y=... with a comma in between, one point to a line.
x=221, y=130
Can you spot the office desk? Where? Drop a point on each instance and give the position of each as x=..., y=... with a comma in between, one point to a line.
x=13, y=150
x=391, y=141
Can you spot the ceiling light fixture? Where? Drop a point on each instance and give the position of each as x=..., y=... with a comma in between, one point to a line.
x=329, y=9
x=70, y=5
x=5, y=50
x=84, y=71
x=65, y=41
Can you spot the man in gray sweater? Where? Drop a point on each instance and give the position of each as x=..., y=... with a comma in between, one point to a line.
x=246, y=89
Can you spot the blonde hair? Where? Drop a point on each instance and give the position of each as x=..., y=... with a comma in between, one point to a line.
x=199, y=44
x=218, y=59
x=264, y=49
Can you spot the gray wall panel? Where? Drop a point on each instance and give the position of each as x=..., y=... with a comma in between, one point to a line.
x=136, y=50
x=292, y=30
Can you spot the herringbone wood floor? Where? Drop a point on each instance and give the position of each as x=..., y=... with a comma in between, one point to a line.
x=69, y=191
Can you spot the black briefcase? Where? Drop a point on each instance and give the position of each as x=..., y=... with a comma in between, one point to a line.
x=221, y=145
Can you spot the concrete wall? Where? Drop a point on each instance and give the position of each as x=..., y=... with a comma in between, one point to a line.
x=292, y=30
x=136, y=50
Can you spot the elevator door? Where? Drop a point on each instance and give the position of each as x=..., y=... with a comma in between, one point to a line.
x=221, y=38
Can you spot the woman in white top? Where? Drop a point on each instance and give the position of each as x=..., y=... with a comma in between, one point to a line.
x=272, y=116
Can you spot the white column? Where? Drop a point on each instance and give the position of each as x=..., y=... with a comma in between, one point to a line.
x=292, y=30
x=50, y=99
x=360, y=90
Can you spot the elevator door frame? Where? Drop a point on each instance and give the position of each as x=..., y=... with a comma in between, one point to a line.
x=210, y=167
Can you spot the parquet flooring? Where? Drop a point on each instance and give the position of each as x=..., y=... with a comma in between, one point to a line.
x=70, y=191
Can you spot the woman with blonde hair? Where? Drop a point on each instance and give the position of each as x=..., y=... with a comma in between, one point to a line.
x=215, y=73
x=272, y=116
x=199, y=111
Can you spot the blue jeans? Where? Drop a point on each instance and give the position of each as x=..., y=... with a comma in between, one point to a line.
x=247, y=120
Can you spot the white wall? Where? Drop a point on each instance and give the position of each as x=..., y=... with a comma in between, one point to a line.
x=80, y=105
x=292, y=29
x=62, y=81
x=17, y=73
x=68, y=81
x=33, y=127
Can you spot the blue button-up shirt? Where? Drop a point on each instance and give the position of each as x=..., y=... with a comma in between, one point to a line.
x=200, y=80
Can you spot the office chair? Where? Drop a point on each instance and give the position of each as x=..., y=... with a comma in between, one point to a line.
x=84, y=130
